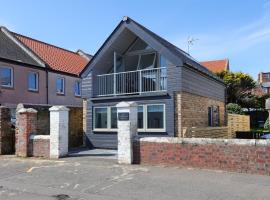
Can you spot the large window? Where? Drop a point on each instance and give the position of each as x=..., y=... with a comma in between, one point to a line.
x=77, y=88
x=33, y=81
x=6, y=76
x=151, y=118
x=60, y=85
x=105, y=119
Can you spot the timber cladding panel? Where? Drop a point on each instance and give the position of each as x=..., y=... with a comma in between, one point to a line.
x=192, y=111
x=237, y=123
x=247, y=156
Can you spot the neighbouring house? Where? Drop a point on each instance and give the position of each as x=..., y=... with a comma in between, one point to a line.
x=173, y=91
x=37, y=73
x=217, y=66
x=264, y=82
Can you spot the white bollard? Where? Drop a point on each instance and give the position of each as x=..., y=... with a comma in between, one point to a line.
x=127, y=129
x=58, y=131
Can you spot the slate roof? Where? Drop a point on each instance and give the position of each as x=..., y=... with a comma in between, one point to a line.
x=57, y=58
x=216, y=65
x=11, y=51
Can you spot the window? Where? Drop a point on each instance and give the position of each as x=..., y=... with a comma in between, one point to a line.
x=6, y=76
x=105, y=119
x=210, y=116
x=60, y=85
x=147, y=61
x=151, y=118
x=77, y=88
x=33, y=81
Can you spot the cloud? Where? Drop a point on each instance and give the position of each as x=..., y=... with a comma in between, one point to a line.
x=228, y=42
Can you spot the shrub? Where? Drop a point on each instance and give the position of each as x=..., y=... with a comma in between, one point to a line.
x=234, y=108
x=266, y=124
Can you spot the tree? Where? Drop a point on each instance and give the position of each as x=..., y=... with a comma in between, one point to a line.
x=239, y=87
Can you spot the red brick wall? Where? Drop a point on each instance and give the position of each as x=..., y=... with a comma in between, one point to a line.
x=217, y=154
x=39, y=147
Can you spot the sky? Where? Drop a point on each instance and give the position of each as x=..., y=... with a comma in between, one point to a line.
x=235, y=29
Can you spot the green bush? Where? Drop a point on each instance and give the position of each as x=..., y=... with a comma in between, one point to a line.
x=266, y=124
x=234, y=108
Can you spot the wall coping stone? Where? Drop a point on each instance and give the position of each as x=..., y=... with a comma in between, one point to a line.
x=204, y=141
x=59, y=108
x=27, y=110
x=39, y=137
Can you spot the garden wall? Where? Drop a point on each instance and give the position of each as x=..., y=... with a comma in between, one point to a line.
x=238, y=123
x=247, y=156
x=208, y=132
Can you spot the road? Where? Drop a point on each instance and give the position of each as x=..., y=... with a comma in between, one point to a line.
x=92, y=178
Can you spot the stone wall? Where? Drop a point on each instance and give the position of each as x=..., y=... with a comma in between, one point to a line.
x=208, y=132
x=192, y=111
x=247, y=156
x=39, y=146
x=238, y=123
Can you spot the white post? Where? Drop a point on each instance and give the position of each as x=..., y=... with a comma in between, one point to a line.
x=267, y=107
x=58, y=131
x=127, y=129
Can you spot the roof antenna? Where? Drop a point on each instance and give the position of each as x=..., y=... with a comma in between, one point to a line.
x=190, y=42
x=125, y=18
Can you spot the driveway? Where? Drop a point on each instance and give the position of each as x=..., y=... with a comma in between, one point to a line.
x=91, y=178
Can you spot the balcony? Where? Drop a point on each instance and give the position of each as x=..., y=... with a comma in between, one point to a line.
x=132, y=82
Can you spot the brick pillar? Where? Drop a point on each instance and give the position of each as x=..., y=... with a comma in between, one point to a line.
x=59, y=117
x=127, y=129
x=6, y=145
x=26, y=125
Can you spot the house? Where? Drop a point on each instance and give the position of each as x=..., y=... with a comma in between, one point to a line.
x=217, y=66
x=173, y=91
x=264, y=82
x=34, y=72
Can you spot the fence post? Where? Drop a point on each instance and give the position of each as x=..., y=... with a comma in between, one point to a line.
x=127, y=129
x=58, y=131
x=25, y=126
x=267, y=107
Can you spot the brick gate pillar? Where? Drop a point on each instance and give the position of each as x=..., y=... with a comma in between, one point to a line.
x=58, y=131
x=25, y=126
x=6, y=144
x=127, y=129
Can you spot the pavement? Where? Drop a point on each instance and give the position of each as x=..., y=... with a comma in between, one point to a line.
x=88, y=177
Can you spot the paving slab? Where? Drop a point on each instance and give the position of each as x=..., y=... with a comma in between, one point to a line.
x=95, y=178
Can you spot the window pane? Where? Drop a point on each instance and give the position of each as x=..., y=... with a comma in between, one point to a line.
x=139, y=45
x=163, y=62
x=77, y=88
x=100, y=118
x=60, y=85
x=6, y=76
x=131, y=62
x=140, y=117
x=32, y=81
x=147, y=61
x=155, y=117
x=113, y=117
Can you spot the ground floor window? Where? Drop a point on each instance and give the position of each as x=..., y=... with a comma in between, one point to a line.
x=151, y=118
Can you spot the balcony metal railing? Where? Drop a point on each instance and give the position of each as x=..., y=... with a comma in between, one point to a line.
x=132, y=82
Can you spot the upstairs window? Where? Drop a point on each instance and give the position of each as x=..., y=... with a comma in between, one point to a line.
x=60, y=85
x=77, y=89
x=33, y=81
x=6, y=76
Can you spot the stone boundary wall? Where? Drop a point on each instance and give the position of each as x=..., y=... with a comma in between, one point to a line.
x=247, y=156
x=39, y=146
x=208, y=132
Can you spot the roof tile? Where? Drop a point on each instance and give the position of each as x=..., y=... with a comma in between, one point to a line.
x=216, y=65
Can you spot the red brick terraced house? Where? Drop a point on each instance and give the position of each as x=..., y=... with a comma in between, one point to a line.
x=38, y=73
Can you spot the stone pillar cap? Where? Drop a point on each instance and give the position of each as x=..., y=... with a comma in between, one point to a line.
x=59, y=108
x=27, y=110
x=267, y=104
x=124, y=104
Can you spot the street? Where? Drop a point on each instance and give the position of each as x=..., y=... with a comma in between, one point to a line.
x=89, y=177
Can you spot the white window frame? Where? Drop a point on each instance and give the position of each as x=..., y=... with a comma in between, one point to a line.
x=12, y=83
x=80, y=88
x=62, y=78
x=108, y=120
x=37, y=81
x=145, y=121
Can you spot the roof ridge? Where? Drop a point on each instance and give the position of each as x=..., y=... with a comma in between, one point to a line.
x=225, y=59
x=45, y=43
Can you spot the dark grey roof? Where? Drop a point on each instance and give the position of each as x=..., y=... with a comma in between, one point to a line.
x=178, y=52
x=11, y=51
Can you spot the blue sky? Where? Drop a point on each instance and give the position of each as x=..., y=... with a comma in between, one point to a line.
x=238, y=30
